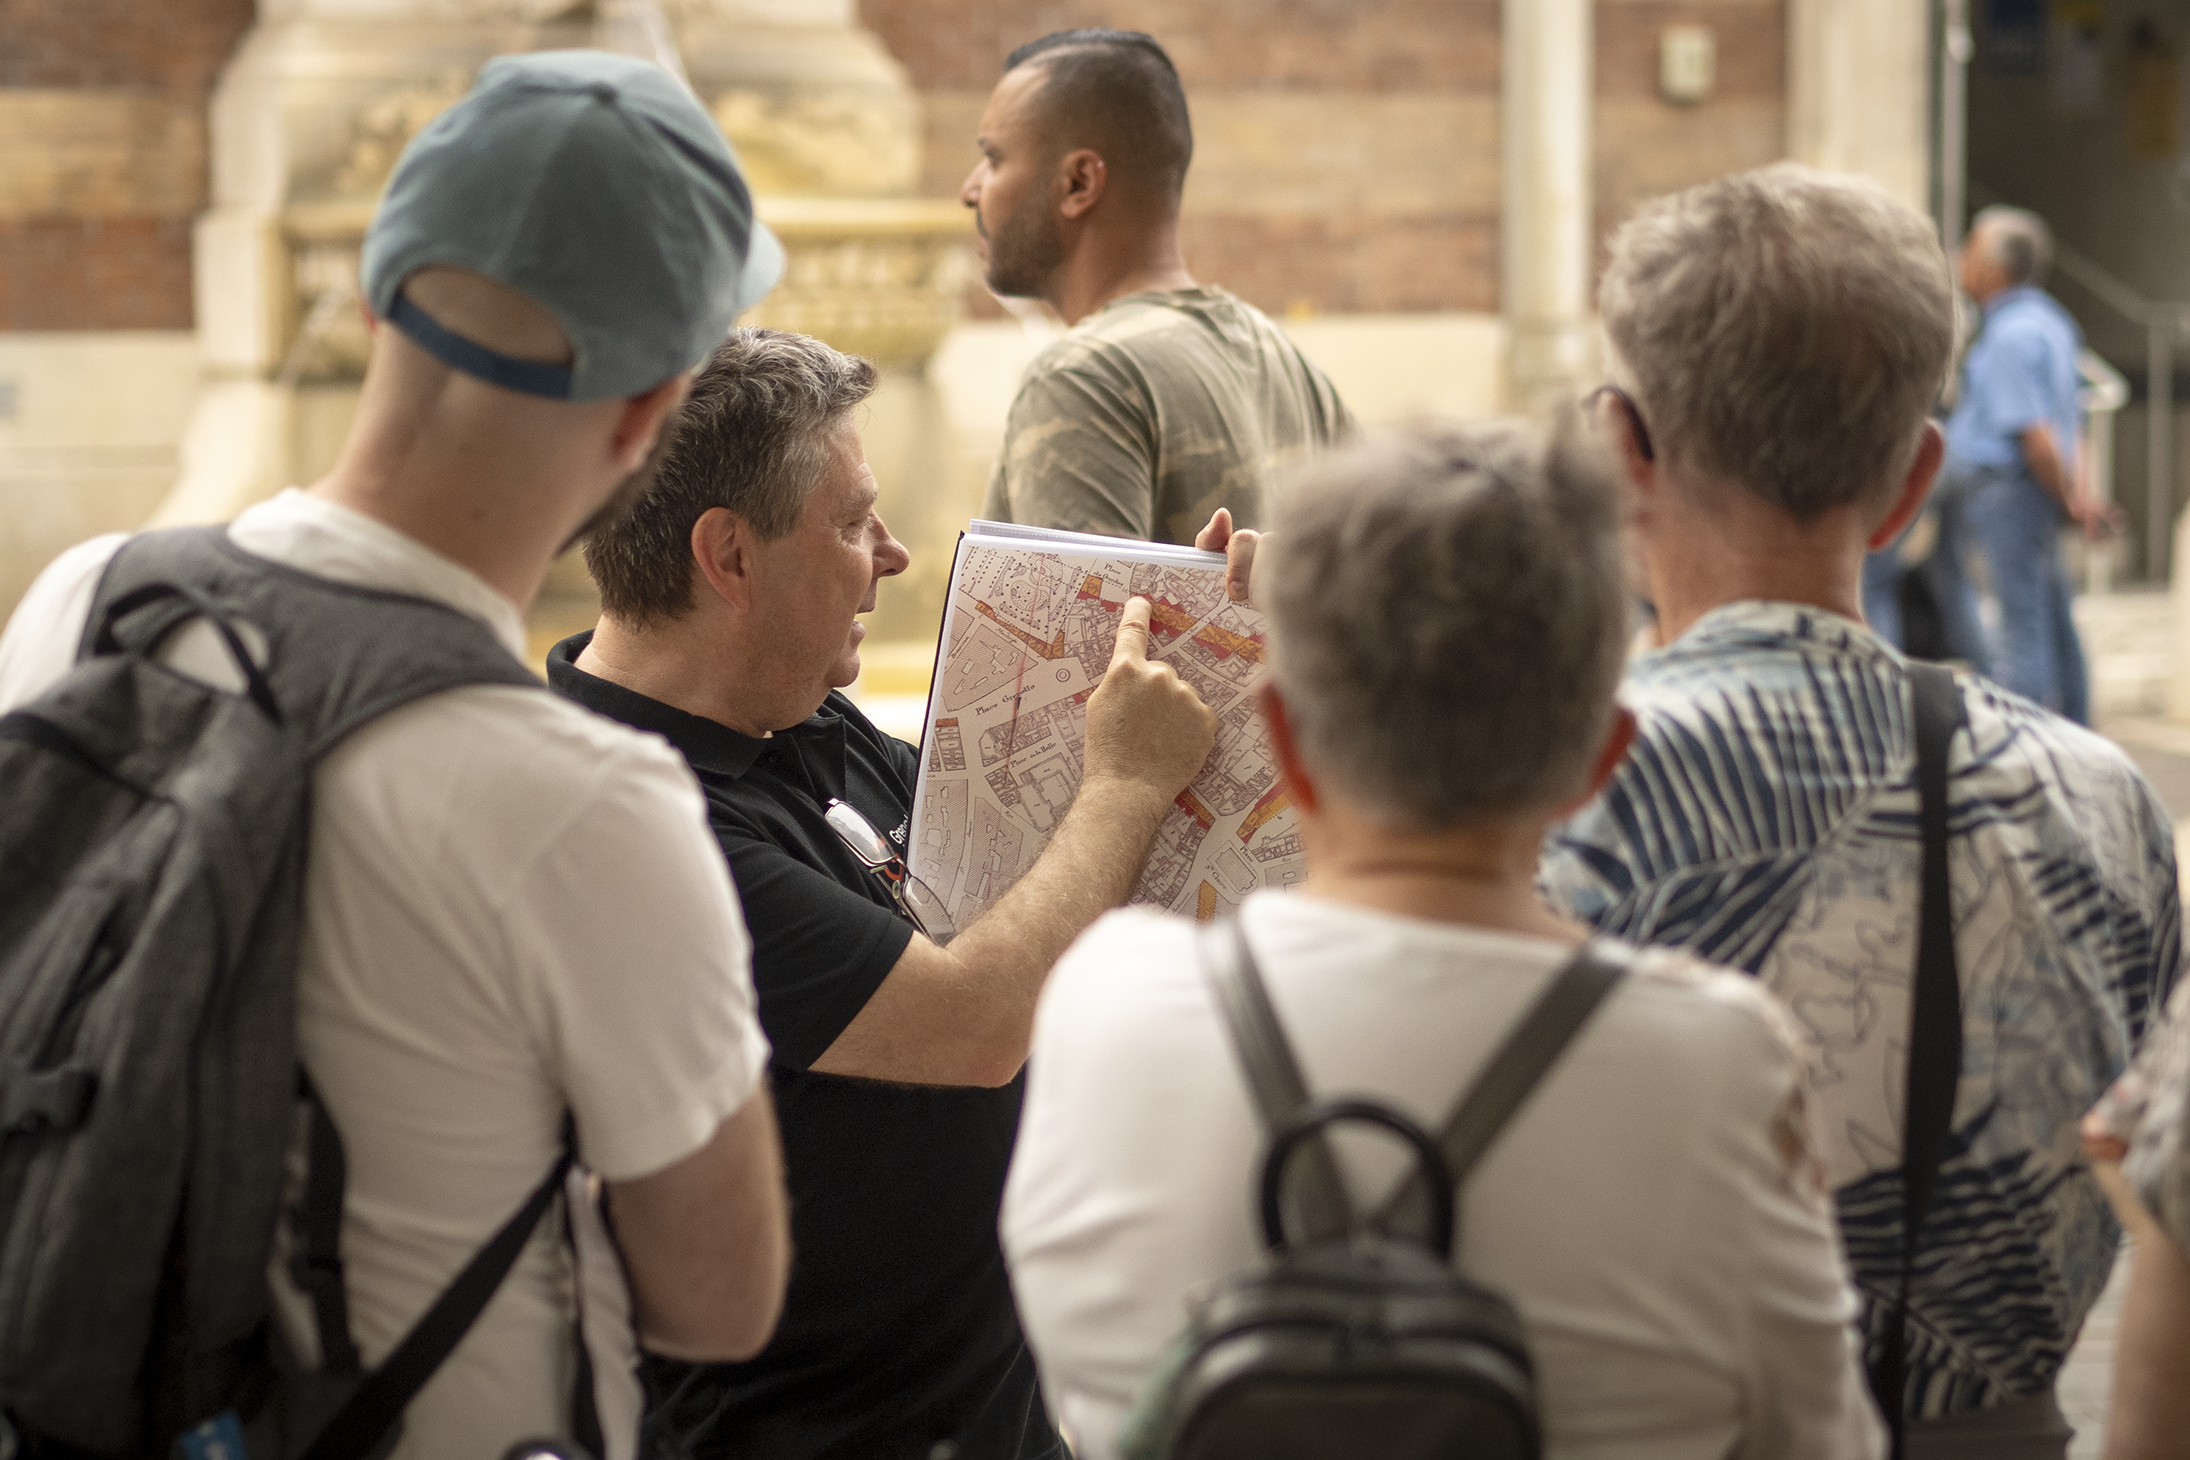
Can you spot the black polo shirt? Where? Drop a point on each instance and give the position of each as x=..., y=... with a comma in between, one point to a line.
x=898, y=1333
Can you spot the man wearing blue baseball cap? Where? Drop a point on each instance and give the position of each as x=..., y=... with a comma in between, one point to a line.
x=513, y=909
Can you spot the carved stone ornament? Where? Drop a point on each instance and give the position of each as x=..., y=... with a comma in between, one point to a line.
x=386, y=127
x=827, y=144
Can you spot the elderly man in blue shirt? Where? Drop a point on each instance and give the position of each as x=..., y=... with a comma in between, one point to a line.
x=2013, y=445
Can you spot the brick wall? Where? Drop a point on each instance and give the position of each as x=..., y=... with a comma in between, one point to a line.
x=102, y=105
x=1346, y=151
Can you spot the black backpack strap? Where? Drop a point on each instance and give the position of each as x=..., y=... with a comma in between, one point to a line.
x=315, y=1254
x=1935, y=1022
x=366, y=1417
x=1317, y=1198
x=1513, y=1071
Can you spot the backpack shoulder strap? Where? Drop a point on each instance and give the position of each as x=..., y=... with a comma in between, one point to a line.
x=337, y=655
x=358, y=1427
x=1316, y=1197
x=1514, y=1070
x=1935, y=1020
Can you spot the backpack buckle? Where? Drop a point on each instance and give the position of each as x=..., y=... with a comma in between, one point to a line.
x=35, y=1102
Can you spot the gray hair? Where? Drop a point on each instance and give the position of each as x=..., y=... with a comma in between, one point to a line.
x=1787, y=330
x=753, y=437
x=2018, y=240
x=1449, y=618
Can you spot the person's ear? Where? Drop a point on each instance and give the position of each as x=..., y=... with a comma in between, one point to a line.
x=1616, y=418
x=1617, y=742
x=1082, y=178
x=1930, y=453
x=1298, y=783
x=722, y=556
x=642, y=419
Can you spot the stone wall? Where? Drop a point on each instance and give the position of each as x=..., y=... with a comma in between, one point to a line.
x=1346, y=151
x=103, y=105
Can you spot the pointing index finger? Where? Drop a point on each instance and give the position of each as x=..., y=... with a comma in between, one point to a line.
x=1133, y=631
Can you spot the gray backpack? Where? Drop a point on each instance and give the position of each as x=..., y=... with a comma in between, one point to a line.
x=152, y=849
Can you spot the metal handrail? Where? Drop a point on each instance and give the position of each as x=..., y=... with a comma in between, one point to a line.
x=2102, y=393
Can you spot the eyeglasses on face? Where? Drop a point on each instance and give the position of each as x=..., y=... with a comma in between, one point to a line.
x=1634, y=414
x=914, y=898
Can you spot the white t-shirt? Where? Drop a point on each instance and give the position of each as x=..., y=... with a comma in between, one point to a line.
x=1652, y=1210
x=513, y=907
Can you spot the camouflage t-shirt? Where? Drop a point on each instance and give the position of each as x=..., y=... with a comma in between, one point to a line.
x=1156, y=410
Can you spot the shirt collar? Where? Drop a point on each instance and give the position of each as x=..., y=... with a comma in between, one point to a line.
x=303, y=531
x=2015, y=294
x=709, y=745
x=1760, y=622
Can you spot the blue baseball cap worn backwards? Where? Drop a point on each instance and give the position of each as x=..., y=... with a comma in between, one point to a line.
x=595, y=185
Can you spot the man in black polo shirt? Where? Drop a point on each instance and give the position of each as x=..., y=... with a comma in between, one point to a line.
x=729, y=596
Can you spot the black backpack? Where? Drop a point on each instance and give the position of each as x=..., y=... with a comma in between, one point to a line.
x=1356, y=1339
x=152, y=849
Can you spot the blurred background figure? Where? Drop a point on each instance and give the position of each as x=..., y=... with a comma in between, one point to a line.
x=2015, y=458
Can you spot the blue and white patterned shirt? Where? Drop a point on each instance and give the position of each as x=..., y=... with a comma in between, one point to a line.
x=1766, y=819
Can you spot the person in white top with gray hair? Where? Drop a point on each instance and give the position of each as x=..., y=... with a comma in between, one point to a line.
x=1448, y=619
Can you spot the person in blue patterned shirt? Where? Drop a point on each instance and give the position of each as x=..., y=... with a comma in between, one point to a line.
x=1775, y=339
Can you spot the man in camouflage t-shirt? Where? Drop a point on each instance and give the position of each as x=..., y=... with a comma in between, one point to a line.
x=1168, y=399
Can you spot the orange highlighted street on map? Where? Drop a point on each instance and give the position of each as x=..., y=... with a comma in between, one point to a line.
x=1269, y=806
x=1189, y=803
x=1047, y=649
x=1224, y=643
x=1167, y=620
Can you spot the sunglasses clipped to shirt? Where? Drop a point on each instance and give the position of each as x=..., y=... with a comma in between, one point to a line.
x=914, y=898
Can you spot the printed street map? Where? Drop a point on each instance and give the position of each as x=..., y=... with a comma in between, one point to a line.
x=1029, y=629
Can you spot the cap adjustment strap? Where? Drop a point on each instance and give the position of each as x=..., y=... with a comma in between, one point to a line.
x=531, y=377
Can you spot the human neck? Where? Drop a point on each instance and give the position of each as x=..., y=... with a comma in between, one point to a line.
x=487, y=484
x=508, y=538
x=1480, y=876
x=1701, y=555
x=689, y=665
x=1104, y=269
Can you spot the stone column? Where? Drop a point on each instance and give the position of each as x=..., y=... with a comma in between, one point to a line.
x=1858, y=90
x=1546, y=234
x=323, y=95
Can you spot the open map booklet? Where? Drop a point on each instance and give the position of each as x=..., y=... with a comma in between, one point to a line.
x=1028, y=631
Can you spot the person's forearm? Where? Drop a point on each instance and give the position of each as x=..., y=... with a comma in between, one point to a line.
x=2150, y=1412
x=2042, y=454
x=1089, y=867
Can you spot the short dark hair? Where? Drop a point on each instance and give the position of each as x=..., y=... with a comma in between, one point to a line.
x=753, y=438
x=1115, y=91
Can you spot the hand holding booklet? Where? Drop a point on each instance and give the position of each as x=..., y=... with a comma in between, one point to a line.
x=1028, y=630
